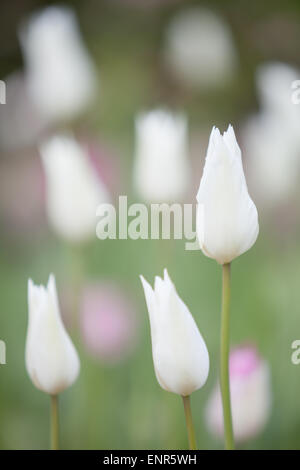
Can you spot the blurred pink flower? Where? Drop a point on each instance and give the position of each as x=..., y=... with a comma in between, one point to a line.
x=108, y=322
x=105, y=162
x=250, y=395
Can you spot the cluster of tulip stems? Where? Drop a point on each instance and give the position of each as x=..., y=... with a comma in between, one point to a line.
x=227, y=226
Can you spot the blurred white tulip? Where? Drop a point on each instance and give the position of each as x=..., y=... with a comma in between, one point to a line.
x=180, y=356
x=273, y=153
x=60, y=75
x=227, y=221
x=74, y=190
x=199, y=48
x=250, y=396
x=21, y=124
x=271, y=138
x=274, y=82
x=51, y=358
x=161, y=172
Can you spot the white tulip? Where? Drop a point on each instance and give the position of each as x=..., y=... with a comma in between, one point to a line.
x=271, y=143
x=274, y=83
x=21, y=125
x=60, y=75
x=227, y=221
x=161, y=172
x=51, y=359
x=199, y=48
x=180, y=356
x=74, y=190
x=271, y=137
x=250, y=396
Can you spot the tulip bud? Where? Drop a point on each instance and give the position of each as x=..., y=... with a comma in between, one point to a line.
x=161, y=166
x=180, y=356
x=250, y=395
x=51, y=358
x=227, y=221
x=74, y=190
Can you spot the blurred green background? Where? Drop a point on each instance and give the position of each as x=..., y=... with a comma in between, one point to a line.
x=119, y=404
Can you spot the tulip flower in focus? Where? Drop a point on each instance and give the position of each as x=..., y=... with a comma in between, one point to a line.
x=161, y=172
x=74, y=189
x=199, y=49
x=227, y=221
x=180, y=356
x=108, y=322
x=250, y=395
x=60, y=74
x=51, y=358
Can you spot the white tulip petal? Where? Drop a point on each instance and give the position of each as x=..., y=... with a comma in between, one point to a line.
x=180, y=356
x=51, y=359
x=74, y=190
x=161, y=171
x=227, y=221
x=60, y=76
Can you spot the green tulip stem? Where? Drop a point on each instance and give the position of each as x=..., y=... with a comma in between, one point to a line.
x=224, y=359
x=54, y=422
x=189, y=422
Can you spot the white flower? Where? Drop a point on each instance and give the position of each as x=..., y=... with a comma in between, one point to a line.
x=60, y=75
x=161, y=172
x=250, y=396
x=227, y=222
x=200, y=49
x=273, y=157
x=271, y=137
x=180, y=356
x=51, y=359
x=73, y=188
x=21, y=125
x=274, y=82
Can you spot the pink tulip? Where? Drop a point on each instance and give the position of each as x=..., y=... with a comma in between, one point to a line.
x=250, y=395
x=108, y=322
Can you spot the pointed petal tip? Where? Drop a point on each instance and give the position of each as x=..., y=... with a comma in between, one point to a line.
x=51, y=278
x=166, y=276
x=144, y=282
x=51, y=282
x=215, y=130
x=30, y=285
x=215, y=135
x=229, y=130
